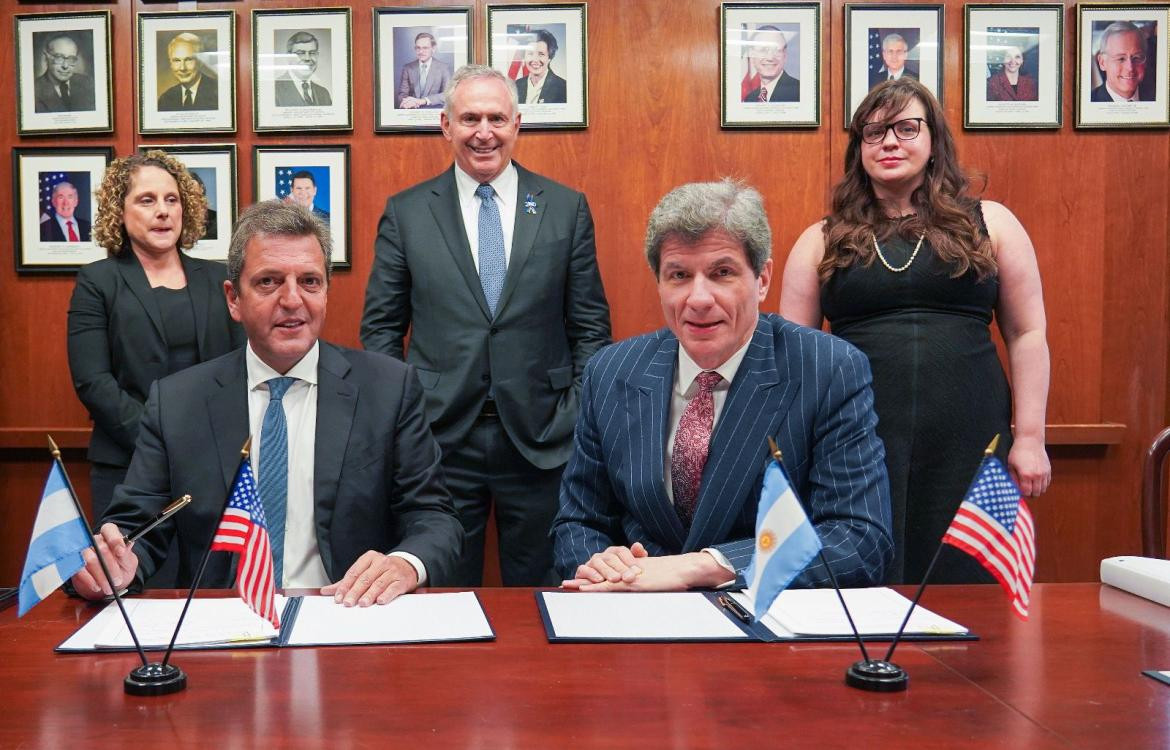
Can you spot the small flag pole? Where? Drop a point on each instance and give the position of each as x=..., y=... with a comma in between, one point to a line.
x=56, y=453
x=988, y=452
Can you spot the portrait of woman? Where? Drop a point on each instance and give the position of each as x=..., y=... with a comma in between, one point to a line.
x=146, y=311
x=1009, y=84
x=911, y=267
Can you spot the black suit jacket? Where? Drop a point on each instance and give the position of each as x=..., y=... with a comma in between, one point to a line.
x=51, y=230
x=46, y=98
x=554, y=90
x=787, y=89
x=288, y=94
x=551, y=316
x=117, y=347
x=376, y=477
x=877, y=76
x=206, y=96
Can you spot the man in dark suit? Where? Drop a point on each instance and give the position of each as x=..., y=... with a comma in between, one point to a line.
x=63, y=225
x=501, y=321
x=541, y=85
x=347, y=470
x=296, y=87
x=894, y=63
x=194, y=90
x=61, y=88
x=1121, y=58
x=211, y=218
x=661, y=492
x=423, y=80
x=769, y=50
x=303, y=192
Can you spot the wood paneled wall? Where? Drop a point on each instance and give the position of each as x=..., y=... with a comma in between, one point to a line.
x=1095, y=204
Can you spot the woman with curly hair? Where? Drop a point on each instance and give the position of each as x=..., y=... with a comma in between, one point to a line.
x=911, y=267
x=146, y=311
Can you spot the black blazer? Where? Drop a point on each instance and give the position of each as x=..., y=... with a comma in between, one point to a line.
x=554, y=91
x=51, y=230
x=117, y=347
x=206, y=97
x=377, y=483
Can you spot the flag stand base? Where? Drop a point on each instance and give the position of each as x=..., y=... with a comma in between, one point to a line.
x=156, y=679
x=876, y=675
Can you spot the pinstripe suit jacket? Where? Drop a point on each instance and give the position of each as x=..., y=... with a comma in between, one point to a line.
x=809, y=390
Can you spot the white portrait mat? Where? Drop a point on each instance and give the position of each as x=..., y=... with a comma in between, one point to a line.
x=32, y=122
x=221, y=62
x=806, y=111
x=33, y=253
x=570, y=63
x=1121, y=114
x=333, y=68
x=1046, y=110
x=452, y=30
x=861, y=19
x=336, y=159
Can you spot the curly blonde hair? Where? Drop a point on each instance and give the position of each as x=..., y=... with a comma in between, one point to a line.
x=109, y=231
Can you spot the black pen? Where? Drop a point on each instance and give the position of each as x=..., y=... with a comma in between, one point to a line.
x=166, y=513
x=736, y=608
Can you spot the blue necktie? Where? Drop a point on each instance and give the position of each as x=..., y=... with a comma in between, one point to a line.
x=492, y=264
x=273, y=482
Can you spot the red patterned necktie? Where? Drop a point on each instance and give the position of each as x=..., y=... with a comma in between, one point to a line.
x=72, y=231
x=690, y=446
x=763, y=94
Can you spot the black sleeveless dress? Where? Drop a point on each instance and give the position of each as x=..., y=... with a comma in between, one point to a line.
x=939, y=391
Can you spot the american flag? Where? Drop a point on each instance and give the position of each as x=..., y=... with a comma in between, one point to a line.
x=243, y=530
x=994, y=526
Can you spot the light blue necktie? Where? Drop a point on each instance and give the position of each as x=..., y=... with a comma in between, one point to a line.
x=492, y=264
x=273, y=481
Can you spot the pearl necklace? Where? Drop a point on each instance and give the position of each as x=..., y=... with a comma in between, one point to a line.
x=886, y=263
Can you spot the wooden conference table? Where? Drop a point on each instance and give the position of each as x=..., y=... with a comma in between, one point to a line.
x=1069, y=678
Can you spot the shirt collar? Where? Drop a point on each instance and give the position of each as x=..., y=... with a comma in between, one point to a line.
x=259, y=372
x=506, y=184
x=687, y=370
x=1118, y=97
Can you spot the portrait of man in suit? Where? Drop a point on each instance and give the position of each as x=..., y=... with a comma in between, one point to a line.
x=424, y=79
x=63, y=87
x=296, y=87
x=303, y=192
x=493, y=271
x=769, y=54
x=347, y=470
x=662, y=489
x=211, y=227
x=894, y=62
x=60, y=223
x=1121, y=61
x=541, y=85
x=194, y=87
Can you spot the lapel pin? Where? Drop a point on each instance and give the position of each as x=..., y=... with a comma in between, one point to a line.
x=529, y=204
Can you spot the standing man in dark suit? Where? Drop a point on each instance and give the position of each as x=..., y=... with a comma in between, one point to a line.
x=63, y=225
x=769, y=49
x=663, y=487
x=296, y=87
x=347, y=470
x=194, y=90
x=423, y=80
x=541, y=85
x=894, y=63
x=493, y=270
x=61, y=88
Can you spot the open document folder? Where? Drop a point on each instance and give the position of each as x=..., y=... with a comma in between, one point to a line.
x=305, y=621
x=796, y=615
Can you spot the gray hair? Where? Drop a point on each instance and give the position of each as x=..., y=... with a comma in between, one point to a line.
x=474, y=72
x=58, y=186
x=185, y=38
x=1112, y=30
x=891, y=38
x=275, y=218
x=690, y=211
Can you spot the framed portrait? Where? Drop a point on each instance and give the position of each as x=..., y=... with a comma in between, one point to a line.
x=1121, y=66
x=543, y=49
x=770, y=65
x=213, y=166
x=63, y=73
x=187, y=72
x=891, y=41
x=302, y=77
x=1015, y=65
x=416, y=50
x=54, y=191
x=316, y=178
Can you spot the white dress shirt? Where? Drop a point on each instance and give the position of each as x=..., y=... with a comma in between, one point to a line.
x=506, y=186
x=1119, y=98
x=532, y=95
x=303, y=567
x=62, y=221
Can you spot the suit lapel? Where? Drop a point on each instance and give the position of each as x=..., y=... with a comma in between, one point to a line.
x=756, y=405
x=445, y=208
x=336, y=403
x=524, y=231
x=135, y=278
x=227, y=407
x=198, y=288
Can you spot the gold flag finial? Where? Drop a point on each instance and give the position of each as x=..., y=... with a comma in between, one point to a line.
x=775, y=449
x=247, y=448
x=990, y=450
x=53, y=447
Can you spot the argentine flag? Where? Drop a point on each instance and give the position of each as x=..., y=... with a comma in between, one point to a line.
x=785, y=540
x=58, y=537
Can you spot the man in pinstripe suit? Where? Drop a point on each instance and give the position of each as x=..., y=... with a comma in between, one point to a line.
x=638, y=510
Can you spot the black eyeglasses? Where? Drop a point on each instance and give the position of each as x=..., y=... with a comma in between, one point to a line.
x=904, y=130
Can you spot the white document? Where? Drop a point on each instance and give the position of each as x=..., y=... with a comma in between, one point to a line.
x=412, y=618
x=637, y=616
x=209, y=622
x=876, y=611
